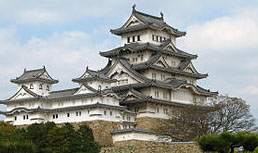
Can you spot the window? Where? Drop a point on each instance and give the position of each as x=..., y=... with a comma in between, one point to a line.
x=156, y=94
x=153, y=37
x=128, y=118
x=157, y=38
x=40, y=86
x=139, y=38
x=135, y=59
x=15, y=118
x=157, y=109
x=27, y=117
x=105, y=112
x=111, y=113
x=162, y=77
x=165, y=95
x=48, y=88
x=154, y=76
x=160, y=39
x=68, y=114
x=123, y=117
x=133, y=38
x=136, y=109
x=128, y=39
x=56, y=115
x=31, y=86
x=88, y=111
x=173, y=63
x=165, y=111
x=124, y=127
x=78, y=113
x=23, y=117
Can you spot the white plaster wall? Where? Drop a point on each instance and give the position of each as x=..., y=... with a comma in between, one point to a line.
x=151, y=111
x=149, y=73
x=169, y=59
x=36, y=84
x=190, y=80
x=161, y=92
x=182, y=95
x=143, y=36
x=146, y=56
x=134, y=136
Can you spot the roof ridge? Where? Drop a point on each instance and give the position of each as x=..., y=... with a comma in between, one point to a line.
x=63, y=90
x=34, y=70
x=148, y=15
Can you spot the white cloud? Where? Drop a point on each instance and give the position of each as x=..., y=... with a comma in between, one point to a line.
x=65, y=54
x=249, y=90
x=235, y=32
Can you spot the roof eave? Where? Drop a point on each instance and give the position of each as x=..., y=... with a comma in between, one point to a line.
x=33, y=79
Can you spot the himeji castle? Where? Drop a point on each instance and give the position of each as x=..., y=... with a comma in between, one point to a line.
x=145, y=79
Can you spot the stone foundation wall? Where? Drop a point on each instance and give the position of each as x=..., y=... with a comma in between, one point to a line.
x=151, y=147
x=101, y=131
x=149, y=123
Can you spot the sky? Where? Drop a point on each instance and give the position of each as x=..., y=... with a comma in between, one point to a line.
x=67, y=35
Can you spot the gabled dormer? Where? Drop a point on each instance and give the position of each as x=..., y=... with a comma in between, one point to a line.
x=143, y=28
x=38, y=81
x=95, y=79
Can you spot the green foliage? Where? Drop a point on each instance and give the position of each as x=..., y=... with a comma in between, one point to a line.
x=47, y=138
x=17, y=147
x=225, y=142
x=87, y=139
x=208, y=142
x=255, y=150
x=37, y=133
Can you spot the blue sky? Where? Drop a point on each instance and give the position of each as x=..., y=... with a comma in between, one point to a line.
x=67, y=35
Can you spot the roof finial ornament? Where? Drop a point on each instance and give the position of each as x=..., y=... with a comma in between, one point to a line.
x=134, y=5
x=162, y=15
x=24, y=69
x=87, y=67
x=44, y=67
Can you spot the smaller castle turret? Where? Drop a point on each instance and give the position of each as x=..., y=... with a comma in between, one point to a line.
x=37, y=81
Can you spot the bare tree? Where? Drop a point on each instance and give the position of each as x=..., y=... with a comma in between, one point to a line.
x=232, y=115
x=223, y=113
x=189, y=122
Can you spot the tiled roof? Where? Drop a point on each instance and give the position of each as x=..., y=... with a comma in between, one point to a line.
x=133, y=130
x=134, y=47
x=33, y=75
x=95, y=75
x=67, y=108
x=62, y=93
x=148, y=21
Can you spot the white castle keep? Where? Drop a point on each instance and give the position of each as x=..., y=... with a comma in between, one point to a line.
x=147, y=76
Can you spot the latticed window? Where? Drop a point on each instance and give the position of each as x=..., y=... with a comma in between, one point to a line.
x=156, y=94
x=48, y=88
x=31, y=86
x=138, y=38
x=40, y=86
x=154, y=76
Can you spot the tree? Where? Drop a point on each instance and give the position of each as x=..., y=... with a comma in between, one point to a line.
x=225, y=142
x=222, y=114
x=189, y=122
x=232, y=114
x=62, y=140
x=37, y=133
x=87, y=141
